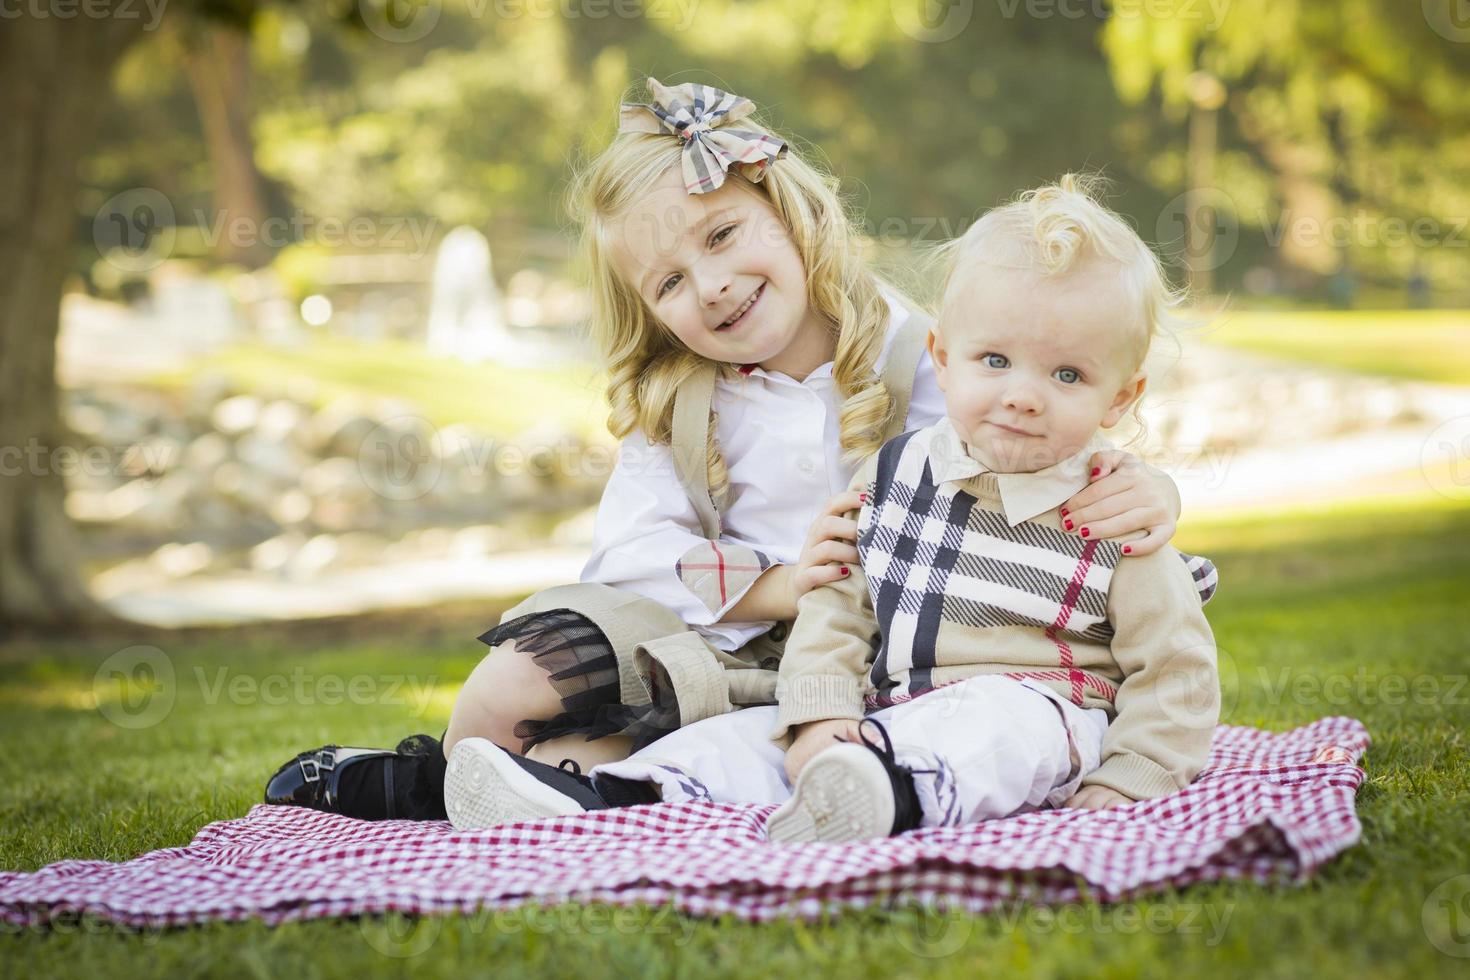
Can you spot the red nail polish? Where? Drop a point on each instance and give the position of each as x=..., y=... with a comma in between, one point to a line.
x=1064, y=512
x=1096, y=470
x=844, y=569
x=1067, y=525
x=1128, y=549
x=863, y=497
x=1084, y=532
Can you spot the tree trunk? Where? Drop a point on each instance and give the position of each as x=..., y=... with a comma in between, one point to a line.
x=54, y=74
x=218, y=63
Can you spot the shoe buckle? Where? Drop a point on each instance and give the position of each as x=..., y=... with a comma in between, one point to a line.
x=312, y=767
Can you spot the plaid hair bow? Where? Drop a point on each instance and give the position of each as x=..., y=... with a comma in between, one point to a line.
x=698, y=115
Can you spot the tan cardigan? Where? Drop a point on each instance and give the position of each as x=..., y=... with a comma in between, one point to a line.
x=1161, y=660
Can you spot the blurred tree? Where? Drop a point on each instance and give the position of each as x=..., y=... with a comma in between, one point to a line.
x=52, y=69
x=1347, y=121
x=51, y=73
x=217, y=58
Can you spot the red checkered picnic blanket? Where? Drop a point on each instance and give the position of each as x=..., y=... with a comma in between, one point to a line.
x=1269, y=807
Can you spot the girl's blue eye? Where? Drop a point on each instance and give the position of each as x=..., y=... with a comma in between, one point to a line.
x=1067, y=376
x=721, y=235
x=667, y=285
x=997, y=361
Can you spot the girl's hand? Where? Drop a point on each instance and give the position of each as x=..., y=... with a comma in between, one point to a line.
x=814, y=737
x=831, y=545
x=1097, y=798
x=1124, y=496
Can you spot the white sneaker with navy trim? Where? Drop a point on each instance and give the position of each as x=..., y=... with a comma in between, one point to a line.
x=486, y=786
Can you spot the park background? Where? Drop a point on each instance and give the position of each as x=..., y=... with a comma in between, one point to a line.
x=294, y=398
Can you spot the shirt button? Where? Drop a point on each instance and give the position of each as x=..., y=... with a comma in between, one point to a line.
x=778, y=632
x=806, y=466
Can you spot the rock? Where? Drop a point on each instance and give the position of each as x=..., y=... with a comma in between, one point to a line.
x=317, y=554
x=269, y=459
x=123, y=425
x=179, y=560
x=333, y=476
x=343, y=514
x=244, y=487
x=477, y=541
x=207, y=391
x=291, y=507
x=359, y=548
x=87, y=421
x=207, y=452
x=214, y=518
x=151, y=505
x=154, y=456
x=272, y=554
x=280, y=421
x=236, y=416
x=338, y=430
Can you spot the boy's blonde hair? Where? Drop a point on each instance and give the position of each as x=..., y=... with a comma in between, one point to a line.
x=1051, y=229
x=647, y=363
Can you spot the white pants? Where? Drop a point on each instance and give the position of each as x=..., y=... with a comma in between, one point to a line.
x=986, y=747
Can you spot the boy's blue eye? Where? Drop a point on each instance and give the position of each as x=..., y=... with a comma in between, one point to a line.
x=1067, y=376
x=997, y=361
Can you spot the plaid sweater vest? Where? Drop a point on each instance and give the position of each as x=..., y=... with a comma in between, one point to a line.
x=932, y=553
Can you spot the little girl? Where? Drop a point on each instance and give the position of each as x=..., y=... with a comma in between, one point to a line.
x=981, y=661
x=753, y=360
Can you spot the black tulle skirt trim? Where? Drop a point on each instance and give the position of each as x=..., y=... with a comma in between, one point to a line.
x=583, y=669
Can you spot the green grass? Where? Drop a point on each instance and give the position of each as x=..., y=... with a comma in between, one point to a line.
x=1363, y=594
x=1422, y=345
x=497, y=400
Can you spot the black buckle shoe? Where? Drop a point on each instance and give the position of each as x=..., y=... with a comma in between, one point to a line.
x=314, y=779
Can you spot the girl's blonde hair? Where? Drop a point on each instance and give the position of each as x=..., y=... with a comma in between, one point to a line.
x=1050, y=230
x=647, y=363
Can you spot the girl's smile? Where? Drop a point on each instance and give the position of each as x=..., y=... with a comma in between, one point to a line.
x=744, y=312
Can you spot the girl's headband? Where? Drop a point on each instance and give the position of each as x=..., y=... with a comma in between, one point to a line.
x=698, y=115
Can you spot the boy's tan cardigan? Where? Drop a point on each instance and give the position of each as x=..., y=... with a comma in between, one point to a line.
x=1155, y=674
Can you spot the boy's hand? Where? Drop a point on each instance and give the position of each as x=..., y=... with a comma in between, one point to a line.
x=814, y=737
x=1097, y=798
x=1123, y=497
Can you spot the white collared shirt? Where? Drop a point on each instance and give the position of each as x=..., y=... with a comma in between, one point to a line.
x=780, y=439
x=1022, y=495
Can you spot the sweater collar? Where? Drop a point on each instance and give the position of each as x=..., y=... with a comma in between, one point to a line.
x=1022, y=495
